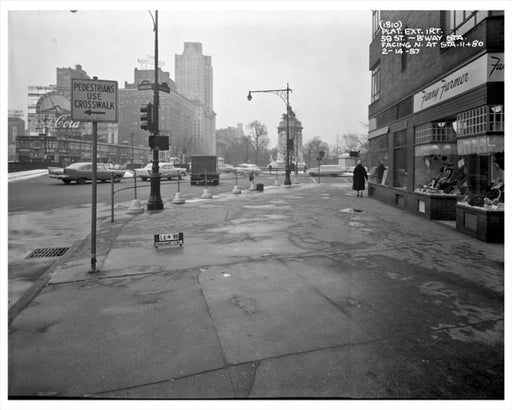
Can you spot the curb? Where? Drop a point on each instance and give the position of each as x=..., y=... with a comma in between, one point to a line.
x=43, y=280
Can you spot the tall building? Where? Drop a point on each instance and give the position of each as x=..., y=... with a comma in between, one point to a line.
x=176, y=115
x=34, y=93
x=436, y=140
x=194, y=80
x=64, y=76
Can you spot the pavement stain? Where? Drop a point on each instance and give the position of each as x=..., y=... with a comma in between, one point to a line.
x=245, y=303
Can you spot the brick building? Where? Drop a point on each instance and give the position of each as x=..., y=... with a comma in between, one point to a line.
x=436, y=140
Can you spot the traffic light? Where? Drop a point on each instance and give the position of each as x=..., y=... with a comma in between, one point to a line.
x=147, y=117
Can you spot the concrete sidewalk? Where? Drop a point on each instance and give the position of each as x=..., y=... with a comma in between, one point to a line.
x=295, y=292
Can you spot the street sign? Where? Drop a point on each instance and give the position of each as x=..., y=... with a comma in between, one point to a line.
x=168, y=239
x=146, y=85
x=94, y=100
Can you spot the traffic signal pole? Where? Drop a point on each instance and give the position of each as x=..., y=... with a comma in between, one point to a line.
x=155, y=199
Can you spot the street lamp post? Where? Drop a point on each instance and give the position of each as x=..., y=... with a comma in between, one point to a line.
x=284, y=94
x=155, y=199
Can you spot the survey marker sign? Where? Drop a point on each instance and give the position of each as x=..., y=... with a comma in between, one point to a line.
x=94, y=100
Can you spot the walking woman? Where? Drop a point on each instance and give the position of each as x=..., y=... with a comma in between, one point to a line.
x=360, y=176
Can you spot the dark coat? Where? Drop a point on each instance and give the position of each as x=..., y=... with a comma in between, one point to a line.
x=360, y=176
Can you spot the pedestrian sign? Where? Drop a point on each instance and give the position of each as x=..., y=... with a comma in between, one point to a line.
x=94, y=100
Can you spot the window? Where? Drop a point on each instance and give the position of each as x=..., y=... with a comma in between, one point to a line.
x=461, y=21
x=487, y=118
x=434, y=132
x=400, y=159
x=375, y=22
x=375, y=84
x=378, y=159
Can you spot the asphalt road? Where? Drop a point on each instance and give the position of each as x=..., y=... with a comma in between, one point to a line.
x=42, y=193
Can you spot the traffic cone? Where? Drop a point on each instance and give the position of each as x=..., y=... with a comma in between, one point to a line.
x=178, y=199
x=135, y=207
x=206, y=194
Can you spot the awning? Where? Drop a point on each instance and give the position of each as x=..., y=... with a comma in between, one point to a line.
x=483, y=144
x=435, y=149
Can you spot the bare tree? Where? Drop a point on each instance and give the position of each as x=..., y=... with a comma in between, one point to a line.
x=353, y=142
x=313, y=147
x=257, y=137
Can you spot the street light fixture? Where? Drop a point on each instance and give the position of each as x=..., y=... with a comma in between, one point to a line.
x=284, y=94
x=155, y=199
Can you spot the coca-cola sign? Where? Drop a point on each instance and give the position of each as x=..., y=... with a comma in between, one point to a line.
x=64, y=121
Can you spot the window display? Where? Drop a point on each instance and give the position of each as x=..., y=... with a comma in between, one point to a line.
x=438, y=174
x=485, y=181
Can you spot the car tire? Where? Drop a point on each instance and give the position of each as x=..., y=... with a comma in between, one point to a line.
x=144, y=179
x=80, y=181
x=66, y=181
x=117, y=179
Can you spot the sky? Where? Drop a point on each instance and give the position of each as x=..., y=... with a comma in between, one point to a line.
x=322, y=53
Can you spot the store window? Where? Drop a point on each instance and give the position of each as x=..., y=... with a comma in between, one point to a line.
x=375, y=90
x=435, y=158
x=378, y=159
x=400, y=159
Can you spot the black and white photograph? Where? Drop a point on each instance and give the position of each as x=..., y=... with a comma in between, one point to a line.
x=275, y=203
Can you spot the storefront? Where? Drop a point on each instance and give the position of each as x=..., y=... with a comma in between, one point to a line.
x=446, y=160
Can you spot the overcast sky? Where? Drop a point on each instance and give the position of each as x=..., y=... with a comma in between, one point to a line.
x=322, y=54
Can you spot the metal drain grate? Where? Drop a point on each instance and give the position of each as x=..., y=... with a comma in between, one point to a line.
x=47, y=252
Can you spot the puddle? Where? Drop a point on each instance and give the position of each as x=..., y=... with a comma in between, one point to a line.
x=351, y=210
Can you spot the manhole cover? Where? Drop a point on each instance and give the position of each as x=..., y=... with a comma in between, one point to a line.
x=47, y=252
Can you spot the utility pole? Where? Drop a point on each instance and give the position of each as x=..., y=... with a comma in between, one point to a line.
x=155, y=199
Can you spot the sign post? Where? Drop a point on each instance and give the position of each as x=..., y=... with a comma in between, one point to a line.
x=94, y=101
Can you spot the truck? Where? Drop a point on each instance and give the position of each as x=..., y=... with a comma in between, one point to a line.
x=203, y=170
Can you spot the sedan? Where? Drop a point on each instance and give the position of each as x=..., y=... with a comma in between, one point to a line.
x=80, y=172
x=167, y=170
x=246, y=169
x=326, y=170
x=226, y=168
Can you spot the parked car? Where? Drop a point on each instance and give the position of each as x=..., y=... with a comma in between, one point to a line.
x=227, y=168
x=246, y=169
x=326, y=170
x=80, y=172
x=167, y=170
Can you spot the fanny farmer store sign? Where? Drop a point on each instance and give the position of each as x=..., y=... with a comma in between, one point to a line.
x=94, y=100
x=487, y=68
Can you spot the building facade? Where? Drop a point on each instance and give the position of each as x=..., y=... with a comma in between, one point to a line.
x=16, y=126
x=34, y=93
x=436, y=140
x=194, y=80
x=176, y=115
